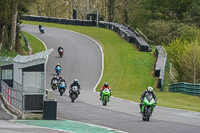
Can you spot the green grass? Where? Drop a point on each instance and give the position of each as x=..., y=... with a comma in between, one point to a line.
x=128, y=71
x=36, y=44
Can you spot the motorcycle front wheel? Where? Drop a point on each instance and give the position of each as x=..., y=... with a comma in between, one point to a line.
x=148, y=114
x=105, y=100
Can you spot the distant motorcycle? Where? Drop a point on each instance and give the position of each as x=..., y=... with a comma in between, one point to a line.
x=61, y=52
x=58, y=70
x=62, y=88
x=105, y=96
x=73, y=93
x=54, y=84
x=41, y=30
x=148, y=106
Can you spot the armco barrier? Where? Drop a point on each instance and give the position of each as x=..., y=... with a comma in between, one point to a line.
x=126, y=33
x=160, y=65
x=122, y=30
x=186, y=88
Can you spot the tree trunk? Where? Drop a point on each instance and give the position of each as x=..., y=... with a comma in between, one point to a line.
x=110, y=7
x=1, y=35
x=13, y=25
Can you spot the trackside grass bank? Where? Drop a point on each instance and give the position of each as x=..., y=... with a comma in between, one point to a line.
x=128, y=71
x=37, y=45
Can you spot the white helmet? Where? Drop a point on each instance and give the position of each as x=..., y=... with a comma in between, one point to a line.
x=149, y=89
x=75, y=80
x=58, y=64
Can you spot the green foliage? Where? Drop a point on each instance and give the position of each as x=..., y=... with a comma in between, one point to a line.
x=10, y=13
x=168, y=9
x=5, y=52
x=190, y=33
x=185, y=57
x=189, y=62
x=161, y=31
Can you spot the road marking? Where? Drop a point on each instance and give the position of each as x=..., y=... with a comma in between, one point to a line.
x=108, y=128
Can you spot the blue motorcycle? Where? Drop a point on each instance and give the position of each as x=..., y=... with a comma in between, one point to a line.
x=58, y=70
x=62, y=87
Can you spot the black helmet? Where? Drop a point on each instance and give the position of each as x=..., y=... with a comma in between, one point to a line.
x=106, y=84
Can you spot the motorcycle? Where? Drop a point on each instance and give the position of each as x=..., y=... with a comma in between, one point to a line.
x=61, y=52
x=62, y=88
x=148, y=106
x=105, y=96
x=42, y=30
x=54, y=84
x=58, y=70
x=73, y=93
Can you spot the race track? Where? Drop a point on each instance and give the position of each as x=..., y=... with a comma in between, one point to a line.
x=83, y=60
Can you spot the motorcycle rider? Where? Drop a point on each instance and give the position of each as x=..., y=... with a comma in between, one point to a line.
x=149, y=90
x=103, y=87
x=54, y=78
x=41, y=27
x=59, y=48
x=58, y=65
x=75, y=83
x=62, y=79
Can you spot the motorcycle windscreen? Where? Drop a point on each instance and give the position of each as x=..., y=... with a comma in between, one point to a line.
x=149, y=97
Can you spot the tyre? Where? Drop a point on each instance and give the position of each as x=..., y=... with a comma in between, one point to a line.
x=105, y=100
x=73, y=97
x=148, y=114
x=54, y=88
x=57, y=73
x=61, y=92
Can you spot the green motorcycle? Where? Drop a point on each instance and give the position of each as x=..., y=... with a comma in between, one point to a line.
x=148, y=106
x=105, y=96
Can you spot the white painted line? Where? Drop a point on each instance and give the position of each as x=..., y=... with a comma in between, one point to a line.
x=102, y=55
x=39, y=40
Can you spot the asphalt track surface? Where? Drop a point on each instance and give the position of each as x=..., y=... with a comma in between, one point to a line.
x=83, y=60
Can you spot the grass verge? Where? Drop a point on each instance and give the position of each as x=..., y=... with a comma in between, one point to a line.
x=128, y=71
x=37, y=45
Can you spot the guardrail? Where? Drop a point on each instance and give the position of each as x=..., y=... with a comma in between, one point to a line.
x=13, y=97
x=160, y=65
x=25, y=102
x=126, y=33
x=186, y=88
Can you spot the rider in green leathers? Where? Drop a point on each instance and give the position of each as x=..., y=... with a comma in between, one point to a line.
x=148, y=91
